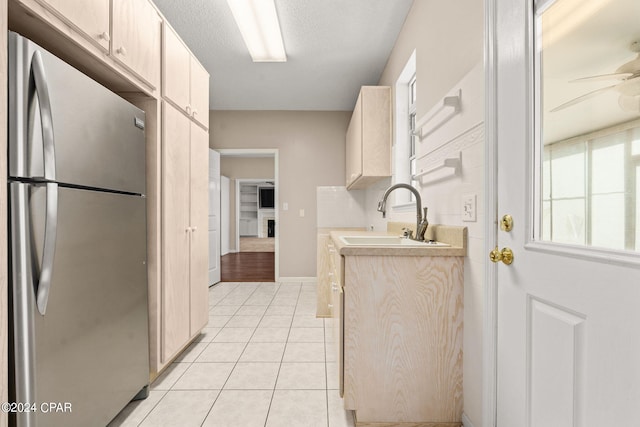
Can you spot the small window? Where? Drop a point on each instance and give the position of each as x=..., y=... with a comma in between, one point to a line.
x=412, y=138
x=405, y=142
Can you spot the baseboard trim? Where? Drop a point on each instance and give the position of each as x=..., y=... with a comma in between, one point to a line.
x=297, y=279
x=465, y=421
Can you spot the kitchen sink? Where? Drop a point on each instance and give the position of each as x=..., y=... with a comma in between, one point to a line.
x=389, y=241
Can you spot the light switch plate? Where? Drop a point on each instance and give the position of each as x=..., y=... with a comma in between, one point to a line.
x=469, y=207
x=301, y=213
x=285, y=206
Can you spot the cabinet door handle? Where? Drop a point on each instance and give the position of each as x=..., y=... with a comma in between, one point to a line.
x=188, y=109
x=330, y=305
x=194, y=228
x=194, y=112
x=122, y=51
x=188, y=229
x=104, y=36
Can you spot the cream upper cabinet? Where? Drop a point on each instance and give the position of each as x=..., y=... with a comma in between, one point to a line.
x=135, y=38
x=175, y=69
x=368, y=141
x=185, y=82
x=89, y=16
x=354, y=144
x=199, y=214
x=199, y=93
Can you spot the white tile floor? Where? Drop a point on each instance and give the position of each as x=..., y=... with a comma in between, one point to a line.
x=263, y=360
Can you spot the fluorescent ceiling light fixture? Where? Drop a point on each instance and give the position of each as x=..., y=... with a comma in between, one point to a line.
x=258, y=23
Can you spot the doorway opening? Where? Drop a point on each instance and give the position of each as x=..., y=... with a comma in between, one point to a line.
x=249, y=211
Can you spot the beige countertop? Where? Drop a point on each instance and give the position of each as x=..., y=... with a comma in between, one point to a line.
x=455, y=236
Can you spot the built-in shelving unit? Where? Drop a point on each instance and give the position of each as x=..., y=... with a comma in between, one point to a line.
x=248, y=210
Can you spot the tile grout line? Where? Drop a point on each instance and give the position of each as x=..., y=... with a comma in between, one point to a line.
x=237, y=361
x=266, y=419
x=152, y=408
x=195, y=358
x=280, y=296
x=166, y=392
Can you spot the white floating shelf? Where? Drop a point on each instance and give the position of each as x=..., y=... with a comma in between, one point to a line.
x=449, y=163
x=451, y=104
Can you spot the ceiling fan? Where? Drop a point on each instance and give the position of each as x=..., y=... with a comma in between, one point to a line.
x=628, y=76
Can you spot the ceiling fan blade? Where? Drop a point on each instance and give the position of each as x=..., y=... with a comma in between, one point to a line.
x=584, y=97
x=612, y=76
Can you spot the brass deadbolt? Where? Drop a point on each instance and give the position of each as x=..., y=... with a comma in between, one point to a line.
x=506, y=223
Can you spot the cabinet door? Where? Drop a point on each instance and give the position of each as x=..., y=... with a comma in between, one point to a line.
x=199, y=290
x=89, y=16
x=175, y=69
x=376, y=131
x=199, y=93
x=175, y=231
x=136, y=29
x=354, y=144
x=323, y=273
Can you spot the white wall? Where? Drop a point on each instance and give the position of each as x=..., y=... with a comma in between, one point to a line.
x=311, y=152
x=339, y=207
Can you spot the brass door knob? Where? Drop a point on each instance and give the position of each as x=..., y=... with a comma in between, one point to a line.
x=505, y=255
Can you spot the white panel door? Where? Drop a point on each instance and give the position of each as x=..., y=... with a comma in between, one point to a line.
x=214, y=216
x=568, y=324
x=225, y=215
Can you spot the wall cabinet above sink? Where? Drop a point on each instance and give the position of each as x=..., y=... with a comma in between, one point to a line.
x=368, y=155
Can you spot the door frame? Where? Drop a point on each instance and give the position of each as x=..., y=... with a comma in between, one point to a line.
x=224, y=182
x=490, y=316
x=258, y=152
x=239, y=182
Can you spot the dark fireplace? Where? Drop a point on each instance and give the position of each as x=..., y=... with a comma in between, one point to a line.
x=271, y=228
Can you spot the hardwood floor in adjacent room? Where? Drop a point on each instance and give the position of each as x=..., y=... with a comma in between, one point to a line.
x=248, y=267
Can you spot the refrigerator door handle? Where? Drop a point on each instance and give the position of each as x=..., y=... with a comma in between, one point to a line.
x=42, y=90
x=49, y=248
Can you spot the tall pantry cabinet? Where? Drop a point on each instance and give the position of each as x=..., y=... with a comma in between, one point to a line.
x=185, y=157
x=185, y=177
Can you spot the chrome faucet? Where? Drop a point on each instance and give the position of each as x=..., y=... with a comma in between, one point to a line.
x=421, y=221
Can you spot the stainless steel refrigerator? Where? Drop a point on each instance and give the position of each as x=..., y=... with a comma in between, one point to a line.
x=77, y=225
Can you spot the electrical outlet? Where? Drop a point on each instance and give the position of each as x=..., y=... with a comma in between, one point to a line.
x=285, y=206
x=469, y=207
x=301, y=213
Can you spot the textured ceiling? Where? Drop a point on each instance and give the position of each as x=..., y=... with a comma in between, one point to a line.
x=333, y=47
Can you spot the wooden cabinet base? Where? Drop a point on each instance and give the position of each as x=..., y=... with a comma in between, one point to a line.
x=409, y=424
x=403, y=326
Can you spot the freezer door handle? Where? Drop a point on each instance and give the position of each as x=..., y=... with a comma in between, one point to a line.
x=42, y=90
x=49, y=248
